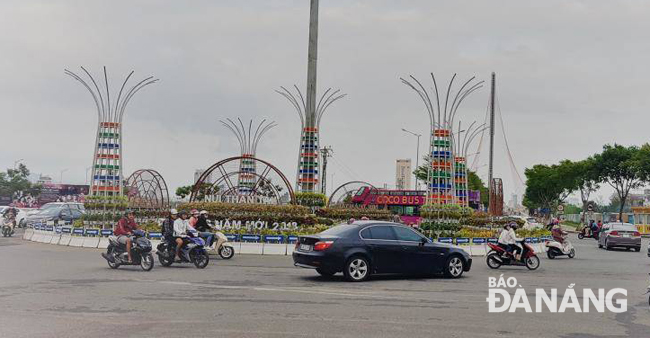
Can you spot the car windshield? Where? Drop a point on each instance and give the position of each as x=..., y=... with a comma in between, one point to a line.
x=339, y=229
x=624, y=227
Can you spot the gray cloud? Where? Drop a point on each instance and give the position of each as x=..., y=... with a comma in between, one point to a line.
x=572, y=75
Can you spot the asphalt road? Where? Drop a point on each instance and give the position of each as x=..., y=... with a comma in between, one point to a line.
x=52, y=291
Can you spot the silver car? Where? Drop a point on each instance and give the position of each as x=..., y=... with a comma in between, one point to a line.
x=623, y=235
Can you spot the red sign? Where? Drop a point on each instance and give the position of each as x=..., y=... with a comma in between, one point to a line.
x=399, y=200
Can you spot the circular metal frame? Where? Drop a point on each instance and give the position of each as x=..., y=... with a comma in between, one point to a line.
x=147, y=189
x=233, y=187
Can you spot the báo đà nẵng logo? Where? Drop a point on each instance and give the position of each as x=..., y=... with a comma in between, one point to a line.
x=505, y=294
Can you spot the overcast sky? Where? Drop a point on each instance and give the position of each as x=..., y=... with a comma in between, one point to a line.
x=571, y=76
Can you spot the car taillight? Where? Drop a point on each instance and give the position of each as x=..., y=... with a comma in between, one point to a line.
x=636, y=234
x=614, y=233
x=297, y=244
x=320, y=246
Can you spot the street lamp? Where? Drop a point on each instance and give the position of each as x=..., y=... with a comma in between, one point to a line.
x=417, y=156
x=61, y=177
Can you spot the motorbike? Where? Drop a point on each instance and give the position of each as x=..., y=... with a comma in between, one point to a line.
x=193, y=252
x=498, y=256
x=222, y=246
x=554, y=248
x=8, y=227
x=582, y=234
x=116, y=254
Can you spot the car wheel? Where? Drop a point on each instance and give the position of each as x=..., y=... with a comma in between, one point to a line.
x=607, y=245
x=357, y=269
x=325, y=272
x=454, y=267
x=637, y=249
x=600, y=246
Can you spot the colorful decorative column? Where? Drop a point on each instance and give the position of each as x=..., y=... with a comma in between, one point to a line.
x=247, y=171
x=441, y=177
x=308, y=160
x=107, y=162
x=460, y=181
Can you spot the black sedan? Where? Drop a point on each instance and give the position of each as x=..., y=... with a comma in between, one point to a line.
x=372, y=247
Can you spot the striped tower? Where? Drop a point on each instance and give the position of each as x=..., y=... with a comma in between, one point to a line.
x=107, y=178
x=447, y=172
x=441, y=182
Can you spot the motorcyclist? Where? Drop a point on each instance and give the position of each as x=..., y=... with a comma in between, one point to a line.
x=181, y=228
x=194, y=217
x=503, y=240
x=204, y=228
x=168, y=226
x=514, y=241
x=124, y=231
x=9, y=217
x=558, y=234
x=594, y=228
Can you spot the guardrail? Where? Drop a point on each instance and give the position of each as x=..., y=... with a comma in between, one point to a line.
x=67, y=235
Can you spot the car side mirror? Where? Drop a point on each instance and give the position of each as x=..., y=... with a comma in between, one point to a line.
x=423, y=241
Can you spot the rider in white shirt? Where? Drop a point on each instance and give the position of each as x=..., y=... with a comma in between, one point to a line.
x=181, y=227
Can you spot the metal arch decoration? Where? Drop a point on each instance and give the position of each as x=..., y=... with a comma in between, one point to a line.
x=227, y=186
x=248, y=139
x=308, y=159
x=147, y=189
x=107, y=178
x=446, y=172
x=347, y=192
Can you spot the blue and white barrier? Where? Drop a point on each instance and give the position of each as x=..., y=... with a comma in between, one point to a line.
x=244, y=244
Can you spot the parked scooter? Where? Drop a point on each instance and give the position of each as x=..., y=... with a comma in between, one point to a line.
x=193, y=252
x=498, y=256
x=223, y=246
x=116, y=254
x=583, y=234
x=554, y=248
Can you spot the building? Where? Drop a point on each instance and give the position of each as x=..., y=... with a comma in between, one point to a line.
x=403, y=174
x=199, y=172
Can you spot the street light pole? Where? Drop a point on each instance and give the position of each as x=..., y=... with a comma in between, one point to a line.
x=61, y=176
x=417, y=156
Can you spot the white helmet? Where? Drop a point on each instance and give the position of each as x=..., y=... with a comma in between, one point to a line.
x=173, y=212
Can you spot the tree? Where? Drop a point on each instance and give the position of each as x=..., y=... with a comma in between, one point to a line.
x=582, y=176
x=16, y=181
x=547, y=186
x=623, y=168
x=206, y=189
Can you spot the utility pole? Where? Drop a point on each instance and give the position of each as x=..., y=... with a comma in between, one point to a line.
x=491, y=163
x=325, y=153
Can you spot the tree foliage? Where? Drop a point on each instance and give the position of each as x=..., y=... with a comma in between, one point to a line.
x=16, y=180
x=623, y=168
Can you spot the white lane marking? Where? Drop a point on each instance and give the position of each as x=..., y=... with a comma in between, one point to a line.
x=311, y=290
